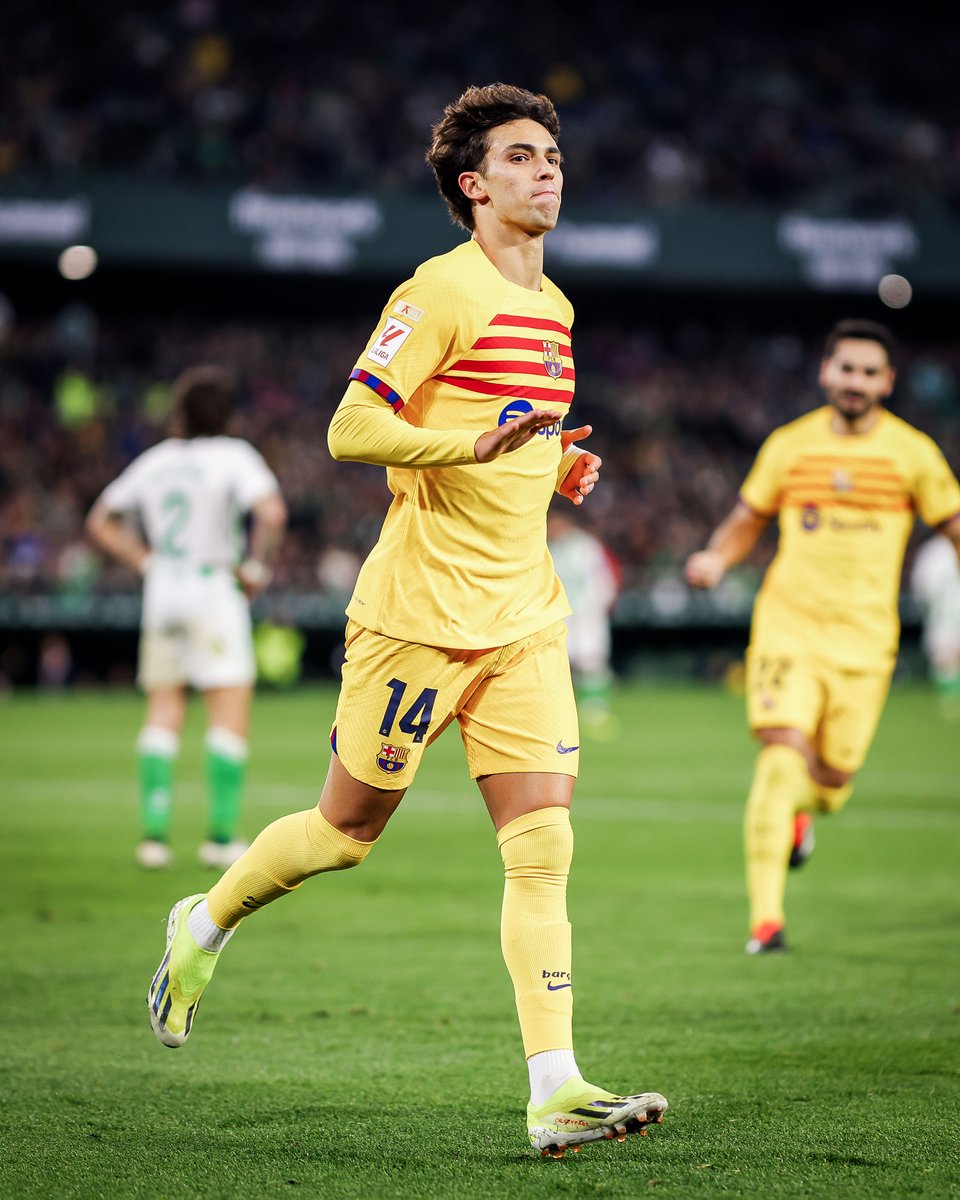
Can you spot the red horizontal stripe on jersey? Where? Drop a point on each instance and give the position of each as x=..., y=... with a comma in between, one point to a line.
x=824, y=485
x=508, y=367
x=827, y=500
x=485, y=387
x=845, y=460
x=516, y=343
x=812, y=485
x=821, y=472
x=530, y=323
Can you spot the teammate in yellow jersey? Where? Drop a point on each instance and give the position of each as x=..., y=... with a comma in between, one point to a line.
x=461, y=393
x=846, y=481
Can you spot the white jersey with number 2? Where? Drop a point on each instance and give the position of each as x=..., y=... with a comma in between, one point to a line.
x=191, y=495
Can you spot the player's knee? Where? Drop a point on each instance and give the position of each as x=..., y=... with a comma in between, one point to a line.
x=538, y=844
x=224, y=742
x=832, y=799
x=339, y=849
x=159, y=741
x=780, y=769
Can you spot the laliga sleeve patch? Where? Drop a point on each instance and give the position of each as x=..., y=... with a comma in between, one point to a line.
x=389, y=340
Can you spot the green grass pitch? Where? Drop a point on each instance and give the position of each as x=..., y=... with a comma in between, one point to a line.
x=359, y=1038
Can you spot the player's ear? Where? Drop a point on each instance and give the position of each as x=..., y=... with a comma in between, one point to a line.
x=471, y=184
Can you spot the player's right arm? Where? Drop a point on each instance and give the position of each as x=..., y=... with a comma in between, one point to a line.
x=426, y=323
x=730, y=543
x=106, y=530
x=364, y=429
x=736, y=536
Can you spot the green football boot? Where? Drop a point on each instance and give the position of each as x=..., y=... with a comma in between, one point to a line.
x=578, y=1112
x=180, y=979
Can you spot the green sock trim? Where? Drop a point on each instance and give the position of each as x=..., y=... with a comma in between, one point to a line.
x=156, y=795
x=225, y=778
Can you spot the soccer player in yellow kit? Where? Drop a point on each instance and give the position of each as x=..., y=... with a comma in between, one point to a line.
x=461, y=393
x=846, y=481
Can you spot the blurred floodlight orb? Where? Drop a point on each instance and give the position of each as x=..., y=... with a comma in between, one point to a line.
x=77, y=262
x=895, y=291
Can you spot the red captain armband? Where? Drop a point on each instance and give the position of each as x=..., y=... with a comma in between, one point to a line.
x=394, y=399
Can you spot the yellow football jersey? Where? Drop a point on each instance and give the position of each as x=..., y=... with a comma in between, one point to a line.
x=846, y=505
x=462, y=558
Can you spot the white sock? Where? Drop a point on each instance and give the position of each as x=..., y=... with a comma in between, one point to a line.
x=549, y=1070
x=206, y=934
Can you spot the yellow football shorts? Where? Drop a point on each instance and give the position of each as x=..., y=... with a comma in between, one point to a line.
x=837, y=708
x=514, y=705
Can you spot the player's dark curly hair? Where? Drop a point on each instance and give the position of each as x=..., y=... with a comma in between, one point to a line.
x=460, y=137
x=203, y=400
x=868, y=331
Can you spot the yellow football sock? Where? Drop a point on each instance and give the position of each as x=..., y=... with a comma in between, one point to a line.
x=832, y=799
x=282, y=857
x=781, y=787
x=534, y=932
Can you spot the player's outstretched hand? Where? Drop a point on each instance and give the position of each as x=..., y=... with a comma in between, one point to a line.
x=705, y=569
x=513, y=434
x=585, y=472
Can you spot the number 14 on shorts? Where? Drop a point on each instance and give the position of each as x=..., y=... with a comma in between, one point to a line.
x=415, y=719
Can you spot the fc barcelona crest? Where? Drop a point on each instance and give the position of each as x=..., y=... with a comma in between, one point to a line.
x=551, y=359
x=392, y=758
x=842, y=481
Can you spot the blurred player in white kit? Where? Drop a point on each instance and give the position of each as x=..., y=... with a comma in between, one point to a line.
x=591, y=580
x=190, y=495
x=935, y=583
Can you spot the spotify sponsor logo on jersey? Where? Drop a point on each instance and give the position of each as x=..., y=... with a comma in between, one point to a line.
x=520, y=408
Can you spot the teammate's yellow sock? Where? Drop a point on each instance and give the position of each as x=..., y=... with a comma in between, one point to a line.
x=534, y=932
x=282, y=857
x=832, y=799
x=781, y=787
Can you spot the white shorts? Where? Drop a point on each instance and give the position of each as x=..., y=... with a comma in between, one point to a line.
x=588, y=643
x=195, y=630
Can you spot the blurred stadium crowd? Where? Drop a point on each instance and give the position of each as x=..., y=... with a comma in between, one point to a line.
x=831, y=109
x=679, y=413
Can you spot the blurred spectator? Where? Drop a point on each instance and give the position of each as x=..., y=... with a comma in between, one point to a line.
x=831, y=110
x=935, y=582
x=678, y=413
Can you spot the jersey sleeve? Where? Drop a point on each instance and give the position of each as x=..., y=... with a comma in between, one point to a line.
x=254, y=478
x=364, y=430
x=936, y=490
x=416, y=335
x=763, y=486
x=123, y=494
x=567, y=461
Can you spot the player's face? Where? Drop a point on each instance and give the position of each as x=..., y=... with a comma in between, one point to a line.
x=856, y=377
x=520, y=176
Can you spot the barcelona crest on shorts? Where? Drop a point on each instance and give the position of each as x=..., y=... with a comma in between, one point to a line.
x=392, y=758
x=551, y=359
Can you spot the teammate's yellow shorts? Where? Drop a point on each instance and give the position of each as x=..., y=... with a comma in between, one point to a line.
x=837, y=708
x=514, y=705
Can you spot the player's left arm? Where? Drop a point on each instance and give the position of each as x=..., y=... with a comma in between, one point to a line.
x=579, y=469
x=951, y=529
x=937, y=492
x=268, y=522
